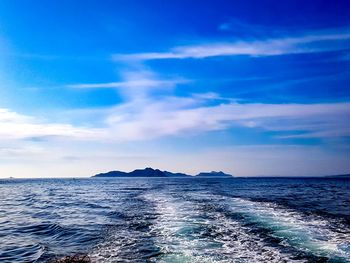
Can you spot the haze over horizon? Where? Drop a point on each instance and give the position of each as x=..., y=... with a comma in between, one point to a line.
x=245, y=87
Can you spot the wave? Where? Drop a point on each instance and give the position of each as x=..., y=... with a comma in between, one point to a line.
x=129, y=238
x=186, y=221
x=203, y=227
x=25, y=253
x=189, y=231
x=308, y=233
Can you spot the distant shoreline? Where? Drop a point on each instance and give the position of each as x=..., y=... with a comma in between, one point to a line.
x=341, y=176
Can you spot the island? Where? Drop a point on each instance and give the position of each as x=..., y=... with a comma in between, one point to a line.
x=155, y=173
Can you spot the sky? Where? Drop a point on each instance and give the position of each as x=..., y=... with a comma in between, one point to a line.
x=246, y=87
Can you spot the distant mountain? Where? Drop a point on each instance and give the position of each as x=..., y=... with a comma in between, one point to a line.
x=170, y=174
x=112, y=174
x=147, y=172
x=150, y=172
x=214, y=174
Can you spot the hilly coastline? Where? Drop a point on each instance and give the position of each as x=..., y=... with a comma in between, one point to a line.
x=152, y=173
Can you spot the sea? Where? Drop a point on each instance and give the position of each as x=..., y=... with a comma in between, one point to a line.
x=175, y=219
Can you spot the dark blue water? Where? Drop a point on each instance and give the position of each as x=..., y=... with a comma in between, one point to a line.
x=176, y=220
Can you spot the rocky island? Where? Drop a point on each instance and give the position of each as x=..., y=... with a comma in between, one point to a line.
x=154, y=173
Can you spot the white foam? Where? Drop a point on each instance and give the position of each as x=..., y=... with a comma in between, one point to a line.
x=180, y=223
x=311, y=234
x=233, y=243
x=111, y=249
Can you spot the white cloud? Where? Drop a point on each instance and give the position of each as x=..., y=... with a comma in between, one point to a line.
x=147, y=118
x=128, y=84
x=83, y=151
x=133, y=80
x=17, y=126
x=27, y=144
x=175, y=116
x=144, y=116
x=135, y=84
x=276, y=46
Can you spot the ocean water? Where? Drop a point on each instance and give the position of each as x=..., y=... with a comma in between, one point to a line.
x=176, y=220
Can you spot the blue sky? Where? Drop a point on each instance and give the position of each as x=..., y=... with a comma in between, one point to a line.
x=247, y=87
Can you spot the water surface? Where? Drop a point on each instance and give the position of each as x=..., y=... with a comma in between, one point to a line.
x=176, y=220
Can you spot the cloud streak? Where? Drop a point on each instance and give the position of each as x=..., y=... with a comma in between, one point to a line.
x=269, y=47
x=145, y=119
x=17, y=126
x=149, y=83
x=33, y=145
x=176, y=116
x=135, y=84
x=145, y=115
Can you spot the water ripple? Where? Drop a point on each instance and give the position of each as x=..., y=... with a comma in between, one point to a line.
x=175, y=220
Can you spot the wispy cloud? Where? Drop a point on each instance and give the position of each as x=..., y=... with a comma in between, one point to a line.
x=306, y=43
x=135, y=84
x=17, y=126
x=176, y=116
x=149, y=118
x=128, y=84
x=143, y=116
